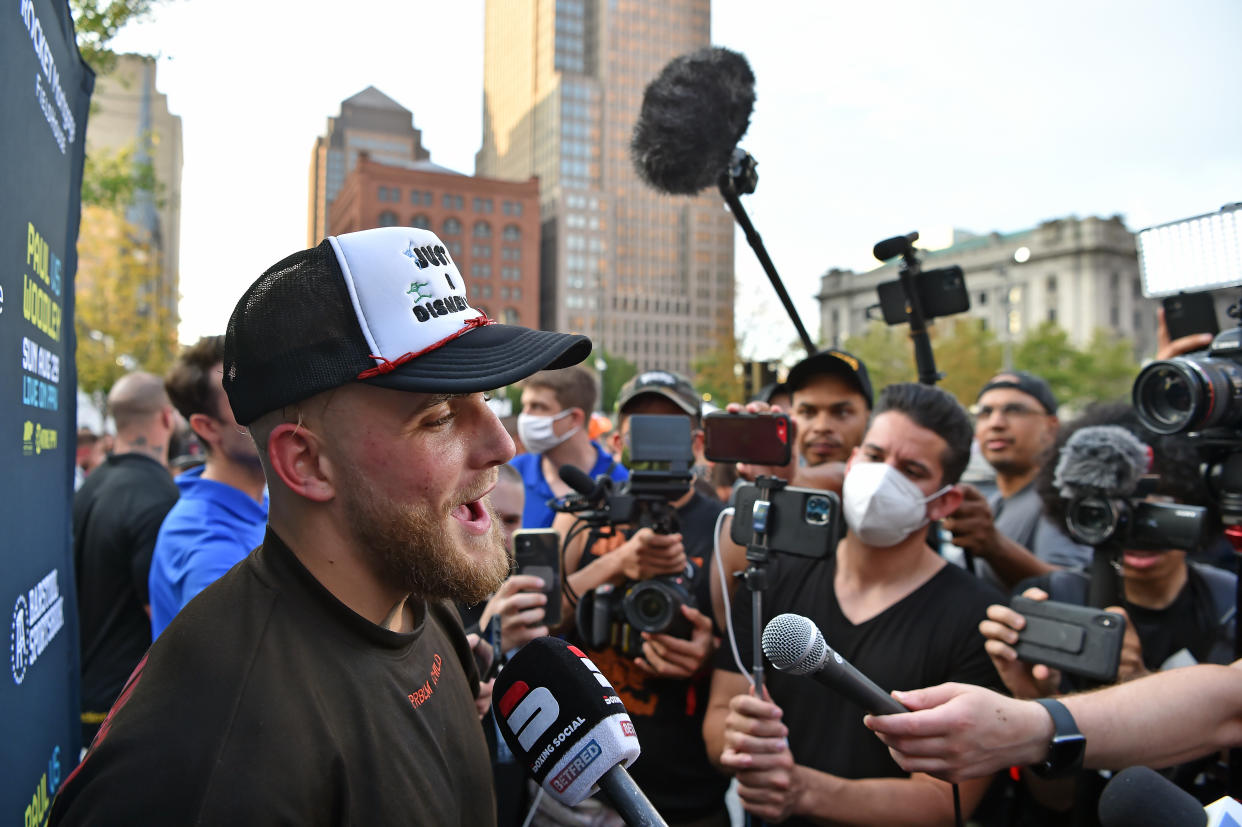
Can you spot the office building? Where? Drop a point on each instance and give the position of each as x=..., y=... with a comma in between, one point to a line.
x=648, y=277
x=490, y=227
x=1082, y=274
x=371, y=122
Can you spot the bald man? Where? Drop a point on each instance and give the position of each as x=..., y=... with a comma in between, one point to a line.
x=116, y=517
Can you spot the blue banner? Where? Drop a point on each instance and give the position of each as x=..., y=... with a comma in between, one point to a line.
x=45, y=90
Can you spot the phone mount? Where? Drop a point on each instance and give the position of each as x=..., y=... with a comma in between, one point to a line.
x=755, y=576
x=908, y=274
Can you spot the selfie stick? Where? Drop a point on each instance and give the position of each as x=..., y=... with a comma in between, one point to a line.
x=903, y=245
x=755, y=576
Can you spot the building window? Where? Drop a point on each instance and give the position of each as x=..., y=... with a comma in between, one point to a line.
x=454, y=248
x=516, y=293
x=451, y=202
x=452, y=226
x=1052, y=315
x=482, y=205
x=1052, y=284
x=421, y=221
x=510, y=316
x=481, y=270
x=482, y=229
x=481, y=251
x=512, y=232
x=388, y=218
x=512, y=207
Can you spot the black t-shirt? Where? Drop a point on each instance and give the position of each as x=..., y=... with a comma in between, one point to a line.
x=928, y=637
x=673, y=770
x=268, y=701
x=116, y=516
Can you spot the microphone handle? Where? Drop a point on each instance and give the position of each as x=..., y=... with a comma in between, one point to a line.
x=841, y=676
x=629, y=801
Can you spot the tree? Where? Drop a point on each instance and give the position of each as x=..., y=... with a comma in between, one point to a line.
x=886, y=352
x=120, y=322
x=1102, y=372
x=715, y=371
x=968, y=355
x=97, y=22
x=616, y=372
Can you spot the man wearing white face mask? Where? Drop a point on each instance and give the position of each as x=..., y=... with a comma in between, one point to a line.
x=890, y=606
x=556, y=409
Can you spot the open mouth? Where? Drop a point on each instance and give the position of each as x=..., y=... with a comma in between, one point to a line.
x=472, y=515
x=1141, y=559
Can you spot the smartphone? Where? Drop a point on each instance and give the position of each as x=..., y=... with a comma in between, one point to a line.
x=537, y=551
x=758, y=439
x=490, y=667
x=1187, y=313
x=804, y=522
x=942, y=292
x=1075, y=639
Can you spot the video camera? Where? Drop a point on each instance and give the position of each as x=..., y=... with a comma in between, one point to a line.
x=660, y=472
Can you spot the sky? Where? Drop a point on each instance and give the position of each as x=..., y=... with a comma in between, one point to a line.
x=872, y=119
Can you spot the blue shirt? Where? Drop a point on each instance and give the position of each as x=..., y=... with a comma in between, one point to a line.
x=536, y=513
x=210, y=529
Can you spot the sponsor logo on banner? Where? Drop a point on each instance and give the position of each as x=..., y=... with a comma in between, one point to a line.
x=36, y=439
x=41, y=800
x=38, y=616
x=585, y=757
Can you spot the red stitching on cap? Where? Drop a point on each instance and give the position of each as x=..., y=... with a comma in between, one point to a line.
x=387, y=366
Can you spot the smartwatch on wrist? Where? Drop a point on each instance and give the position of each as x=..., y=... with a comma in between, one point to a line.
x=1068, y=745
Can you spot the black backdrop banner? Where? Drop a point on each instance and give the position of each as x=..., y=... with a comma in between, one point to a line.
x=45, y=91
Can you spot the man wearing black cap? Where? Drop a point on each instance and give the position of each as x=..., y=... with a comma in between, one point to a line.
x=665, y=688
x=831, y=403
x=1015, y=425
x=324, y=679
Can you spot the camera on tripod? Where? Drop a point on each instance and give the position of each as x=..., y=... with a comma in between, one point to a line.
x=660, y=472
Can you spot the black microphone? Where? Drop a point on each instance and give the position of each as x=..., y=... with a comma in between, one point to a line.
x=581, y=482
x=564, y=722
x=693, y=114
x=898, y=245
x=1101, y=460
x=1142, y=797
x=795, y=645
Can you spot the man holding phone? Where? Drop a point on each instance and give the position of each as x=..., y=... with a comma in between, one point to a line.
x=889, y=605
x=664, y=689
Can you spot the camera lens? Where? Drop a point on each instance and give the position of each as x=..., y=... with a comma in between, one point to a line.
x=1179, y=395
x=648, y=607
x=1091, y=520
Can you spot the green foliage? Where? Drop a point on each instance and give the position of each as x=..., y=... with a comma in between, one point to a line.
x=619, y=370
x=97, y=23
x=111, y=178
x=969, y=355
x=715, y=374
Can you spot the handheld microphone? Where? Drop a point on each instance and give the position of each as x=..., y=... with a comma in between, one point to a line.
x=1101, y=460
x=1142, y=797
x=693, y=114
x=795, y=645
x=563, y=721
x=581, y=482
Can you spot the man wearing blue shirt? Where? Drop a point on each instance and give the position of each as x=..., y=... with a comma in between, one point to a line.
x=556, y=410
x=223, y=509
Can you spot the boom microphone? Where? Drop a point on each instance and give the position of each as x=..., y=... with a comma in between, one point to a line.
x=693, y=114
x=795, y=645
x=564, y=722
x=1101, y=460
x=581, y=482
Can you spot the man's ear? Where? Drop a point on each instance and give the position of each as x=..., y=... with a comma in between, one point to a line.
x=945, y=504
x=296, y=457
x=614, y=442
x=696, y=442
x=204, y=427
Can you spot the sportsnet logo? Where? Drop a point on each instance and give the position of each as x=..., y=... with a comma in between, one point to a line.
x=576, y=767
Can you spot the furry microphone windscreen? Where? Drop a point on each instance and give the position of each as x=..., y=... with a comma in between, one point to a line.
x=693, y=115
x=1101, y=459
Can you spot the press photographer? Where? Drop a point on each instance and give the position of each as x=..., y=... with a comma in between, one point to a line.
x=660, y=676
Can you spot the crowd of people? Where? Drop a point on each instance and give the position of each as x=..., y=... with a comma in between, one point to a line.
x=291, y=630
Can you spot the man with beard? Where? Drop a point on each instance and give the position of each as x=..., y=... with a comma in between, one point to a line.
x=326, y=679
x=222, y=511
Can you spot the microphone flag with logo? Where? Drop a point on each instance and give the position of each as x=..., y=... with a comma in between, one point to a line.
x=562, y=719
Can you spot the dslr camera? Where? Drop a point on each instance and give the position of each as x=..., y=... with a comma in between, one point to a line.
x=660, y=471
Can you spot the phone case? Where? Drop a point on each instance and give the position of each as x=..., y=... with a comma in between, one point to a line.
x=803, y=522
x=759, y=439
x=1188, y=313
x=1076, y=639
x=537, y=551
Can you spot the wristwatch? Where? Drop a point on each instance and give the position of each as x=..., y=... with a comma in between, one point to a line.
x=1067, y=747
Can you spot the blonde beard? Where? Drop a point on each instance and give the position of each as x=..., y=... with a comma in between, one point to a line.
x=409, y=546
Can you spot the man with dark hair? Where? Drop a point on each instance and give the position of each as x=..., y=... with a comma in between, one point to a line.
x=665, y=686
x=222, y=512
x=889, y=605
x=553, y=425
x=116, y=515
x=326, y=679
x=1008, y=533
x=1179, y=613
